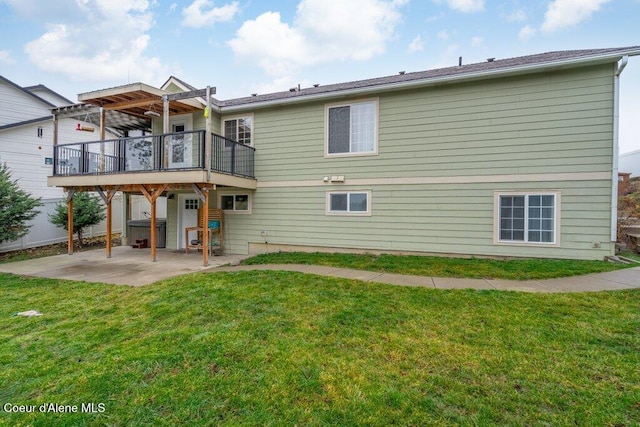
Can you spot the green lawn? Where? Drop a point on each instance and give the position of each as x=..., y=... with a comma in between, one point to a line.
x=283, y=348
x=470, y=268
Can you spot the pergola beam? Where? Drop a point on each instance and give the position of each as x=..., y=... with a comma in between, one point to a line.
x=140, y=102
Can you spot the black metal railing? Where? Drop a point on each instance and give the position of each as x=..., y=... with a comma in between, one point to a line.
x=232, y=157
x=165, y=152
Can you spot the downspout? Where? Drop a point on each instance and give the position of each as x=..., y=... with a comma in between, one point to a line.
x=616, y=148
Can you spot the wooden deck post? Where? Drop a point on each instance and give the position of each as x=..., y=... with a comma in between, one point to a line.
x=110, y=194
x=103, y=121
x=205, y=229
x=207, y=136
x=153, y=229
x=70, y=194
x=152, y=197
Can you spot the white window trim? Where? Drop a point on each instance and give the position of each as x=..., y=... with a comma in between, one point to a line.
x=556, y=225
x=241, y=116
x=236, y=193
x=375, y=128
x=347, y=213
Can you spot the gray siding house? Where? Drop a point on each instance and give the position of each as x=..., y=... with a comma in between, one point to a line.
x=509, y=157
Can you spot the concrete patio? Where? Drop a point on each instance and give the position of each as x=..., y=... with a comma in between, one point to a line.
x=127, y=266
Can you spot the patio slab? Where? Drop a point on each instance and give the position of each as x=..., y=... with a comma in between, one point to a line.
x=127, y=266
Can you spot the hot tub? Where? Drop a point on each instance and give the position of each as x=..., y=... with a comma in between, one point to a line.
x=141, y=229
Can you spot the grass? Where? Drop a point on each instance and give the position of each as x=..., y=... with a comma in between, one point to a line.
x=471, y=268
x=284, y=348
x=631, y=255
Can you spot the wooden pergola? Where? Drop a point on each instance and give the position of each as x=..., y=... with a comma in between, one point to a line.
x=134, y=100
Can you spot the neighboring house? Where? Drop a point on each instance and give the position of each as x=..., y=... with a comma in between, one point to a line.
x=26, y=146
x=508, y=157
x=630, y=163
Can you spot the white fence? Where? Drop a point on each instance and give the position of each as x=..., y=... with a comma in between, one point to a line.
x=42, y=232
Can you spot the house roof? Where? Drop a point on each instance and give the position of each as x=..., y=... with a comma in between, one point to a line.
x=43, y=88
x=182, y=83
x=137, y=98
x=28, y=92
x=488, y=69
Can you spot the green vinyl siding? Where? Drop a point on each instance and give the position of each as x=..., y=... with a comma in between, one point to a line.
x=548, y=123
x=434, y=218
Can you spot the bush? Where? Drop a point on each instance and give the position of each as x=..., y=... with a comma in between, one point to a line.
x=16, y=207
x=87, y=211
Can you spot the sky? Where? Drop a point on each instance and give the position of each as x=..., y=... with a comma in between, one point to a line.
x=262, y=46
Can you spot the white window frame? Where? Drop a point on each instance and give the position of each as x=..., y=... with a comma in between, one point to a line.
x=234, y=211
x=244, y=116
x=525, y=242
x=347, y=212
x=327, y=107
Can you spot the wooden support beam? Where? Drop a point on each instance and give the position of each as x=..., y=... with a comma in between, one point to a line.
x=153, y=229
x=70, y=192
x=165, y=114
x=198, y=191
x=140, y=102
x=109, y=228
x=198, y=93
x=205, y=230
x=110, y=192
x=103, y=127
x=135, y=188
x=70, y=224
x=207, y=135
x=152, y=196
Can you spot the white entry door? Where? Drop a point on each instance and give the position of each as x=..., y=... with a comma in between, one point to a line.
x=187, y=216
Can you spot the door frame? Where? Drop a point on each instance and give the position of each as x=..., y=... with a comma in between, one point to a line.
x=179, y=221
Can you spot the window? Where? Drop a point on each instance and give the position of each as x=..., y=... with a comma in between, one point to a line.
x=352, y=129
x=235, y=202
x=351, y=203
x=190, y=204
x=239, y=129
x=527, y=218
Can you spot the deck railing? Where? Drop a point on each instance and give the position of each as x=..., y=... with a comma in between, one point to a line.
x=153, y=153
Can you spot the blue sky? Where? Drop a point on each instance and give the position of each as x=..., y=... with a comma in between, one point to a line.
x=244, y=47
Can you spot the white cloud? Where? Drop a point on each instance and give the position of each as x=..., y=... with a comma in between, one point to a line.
x=566, y=13
x=322, y=31
x=466, y=6
x=107, y=43
x=518, y=15
x=443, y=35
x=5, y=57
x=202, y=13
x=416, y=45
x=526, y=33
x=477, y=41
